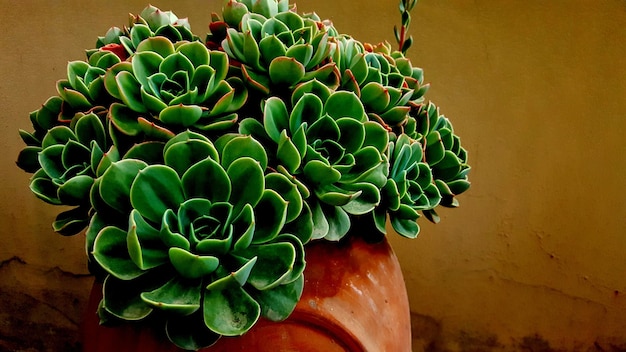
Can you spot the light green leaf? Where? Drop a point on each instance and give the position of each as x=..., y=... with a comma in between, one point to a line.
x=286, y=71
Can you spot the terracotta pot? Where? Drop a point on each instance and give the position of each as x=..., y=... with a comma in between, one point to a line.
x=354, y=299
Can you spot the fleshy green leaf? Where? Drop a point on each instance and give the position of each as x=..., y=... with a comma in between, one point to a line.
x=130, y=92
x=117, y=181
x=243, y=146
x=181, y=115
x=207, y=179
x=75, y=191
x=71, y=222
x=275, y=118
x=345, y=104
x=287, y=190
x=338, y=223
x=287, y=153
x=286, y=71
x=156, y=189
x=176, y=296
x=183, y=155
x=247, y=181
x=192, y=266
x=278, y=303
x=274, y=263
x=111, y=252
x=122, y=298
x=270, y=214
x=234, y=279
x=190, y=332
x=145, y=246
x=230, y=312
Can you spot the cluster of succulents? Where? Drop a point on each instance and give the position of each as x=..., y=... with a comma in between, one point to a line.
x=201, y=169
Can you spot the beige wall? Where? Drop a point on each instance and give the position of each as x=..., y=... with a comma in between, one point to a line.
x=533, y=260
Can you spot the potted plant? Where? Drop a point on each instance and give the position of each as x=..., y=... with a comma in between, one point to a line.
x=204, y=169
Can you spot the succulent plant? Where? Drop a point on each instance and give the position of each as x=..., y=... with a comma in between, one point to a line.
x=443, y=153
x=66, y=162
x=385, y=81
x=275, y=48
x=408, y=190
x=69, y=141
x=201, y=170
x=151, y=22
x=204, y=237
x=168, y=88
x=326, y=143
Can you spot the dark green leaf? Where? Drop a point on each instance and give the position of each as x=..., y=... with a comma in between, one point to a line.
x=230, y=312
x=189, y=332
x=270, y=214
x=71, y=222
x=115, y=187
x=145, y=246
x=207, y=179
x=181, y=297
x=192, y=266
x=75, y=191
x=156, y=189
x=274, y=263
x=278, y=303
x=111, y=252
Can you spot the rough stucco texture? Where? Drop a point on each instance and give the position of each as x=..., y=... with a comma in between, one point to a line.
x=533, y=260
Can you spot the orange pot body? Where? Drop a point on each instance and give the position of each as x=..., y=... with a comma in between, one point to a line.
x=354, y=299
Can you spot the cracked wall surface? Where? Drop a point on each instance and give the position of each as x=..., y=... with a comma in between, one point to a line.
x=533, y=260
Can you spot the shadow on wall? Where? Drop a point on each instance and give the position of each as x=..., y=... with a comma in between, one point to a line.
x=40, y=308
x=428, y=337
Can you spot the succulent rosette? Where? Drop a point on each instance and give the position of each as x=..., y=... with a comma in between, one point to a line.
x=275, y=48
x=327, y=143
x=167, y=88
x=69, y=139
x=204, y=241
x=442, y=151
x=151, y=22
x=84, y=86
x=64, y=163
x=408, y=190
x=385, y=81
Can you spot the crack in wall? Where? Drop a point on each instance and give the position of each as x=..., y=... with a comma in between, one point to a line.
x=495, y=274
